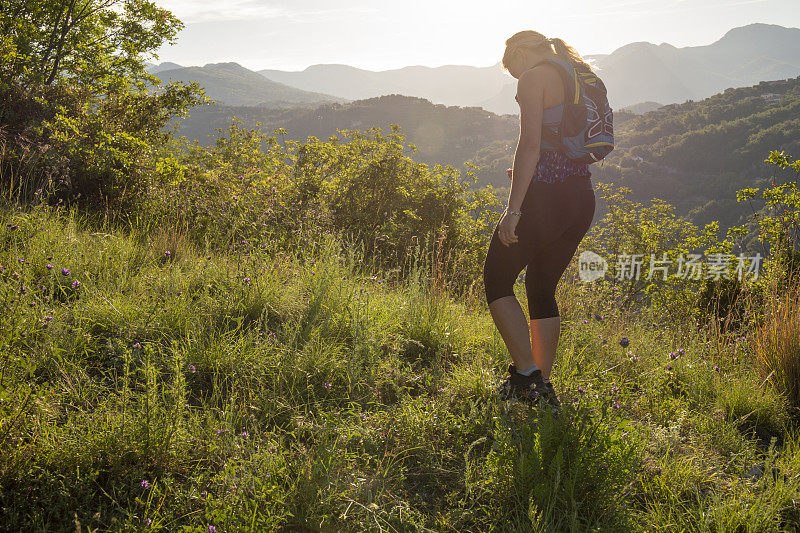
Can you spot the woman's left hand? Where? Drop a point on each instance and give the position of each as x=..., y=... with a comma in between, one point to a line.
x=506, y=229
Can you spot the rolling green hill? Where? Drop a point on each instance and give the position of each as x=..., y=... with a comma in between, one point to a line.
x=697, y=154
x=694, y=155
x=643, y=107
x=442, y=134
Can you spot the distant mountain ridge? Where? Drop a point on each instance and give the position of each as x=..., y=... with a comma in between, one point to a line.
x=460, y=85
x=642, y=71
x=634, y=73
x=232, y=84
x=155, y=69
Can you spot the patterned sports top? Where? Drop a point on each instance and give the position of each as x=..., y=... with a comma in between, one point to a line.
x=553, y=165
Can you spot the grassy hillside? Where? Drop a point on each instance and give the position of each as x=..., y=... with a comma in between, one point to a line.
x=271, y=335
x=251, y=390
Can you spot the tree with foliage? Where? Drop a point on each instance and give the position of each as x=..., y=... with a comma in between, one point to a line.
x=80, y=113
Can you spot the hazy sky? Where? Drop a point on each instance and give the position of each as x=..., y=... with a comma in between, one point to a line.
x=388, y=34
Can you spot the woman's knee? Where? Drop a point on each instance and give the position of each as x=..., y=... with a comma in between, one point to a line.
x=542, y=307
x=541, y=293
x=496, y=282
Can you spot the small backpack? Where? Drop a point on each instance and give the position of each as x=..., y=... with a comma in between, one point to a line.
x=586, y=132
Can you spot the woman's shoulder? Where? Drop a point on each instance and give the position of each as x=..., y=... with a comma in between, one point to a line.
x=546, y=79
x=542, y=71
x=540, y=78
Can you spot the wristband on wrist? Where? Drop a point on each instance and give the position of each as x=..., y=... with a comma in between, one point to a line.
x=516, y=213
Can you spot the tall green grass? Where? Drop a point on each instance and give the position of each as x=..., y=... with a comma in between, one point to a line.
x=255, y=390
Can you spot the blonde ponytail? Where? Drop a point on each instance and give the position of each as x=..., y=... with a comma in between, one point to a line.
x=536, y=41
x=568, y=53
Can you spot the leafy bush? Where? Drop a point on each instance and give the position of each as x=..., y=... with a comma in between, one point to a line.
x=249, y=190
x=632, y=233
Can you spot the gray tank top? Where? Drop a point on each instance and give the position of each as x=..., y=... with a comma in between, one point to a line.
x=551, y=115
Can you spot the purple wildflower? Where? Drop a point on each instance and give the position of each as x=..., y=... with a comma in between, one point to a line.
x=616, y=405
x=48, y=266
x=76, y=284
x=244, y=434
x=12, y=226
x=598, y=317
x=327, y=384
x=145, y=484
x=136, y=346
x=669, y=367
x=673, y=355
x=211, y=529
x=148, y=521
x=247, y=280
x=48, y=318
x=167, y=253
x=681, y=351
x=581, y=390
x=192, y=369
x=716, y=368
x=65, y=271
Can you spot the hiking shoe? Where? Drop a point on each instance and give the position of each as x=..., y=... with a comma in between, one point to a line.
x=551, y=396
x=519, y=387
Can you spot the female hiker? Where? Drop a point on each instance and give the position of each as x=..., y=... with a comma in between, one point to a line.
x=550, y=208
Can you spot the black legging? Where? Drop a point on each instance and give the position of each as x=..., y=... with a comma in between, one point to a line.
x=555, y=217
